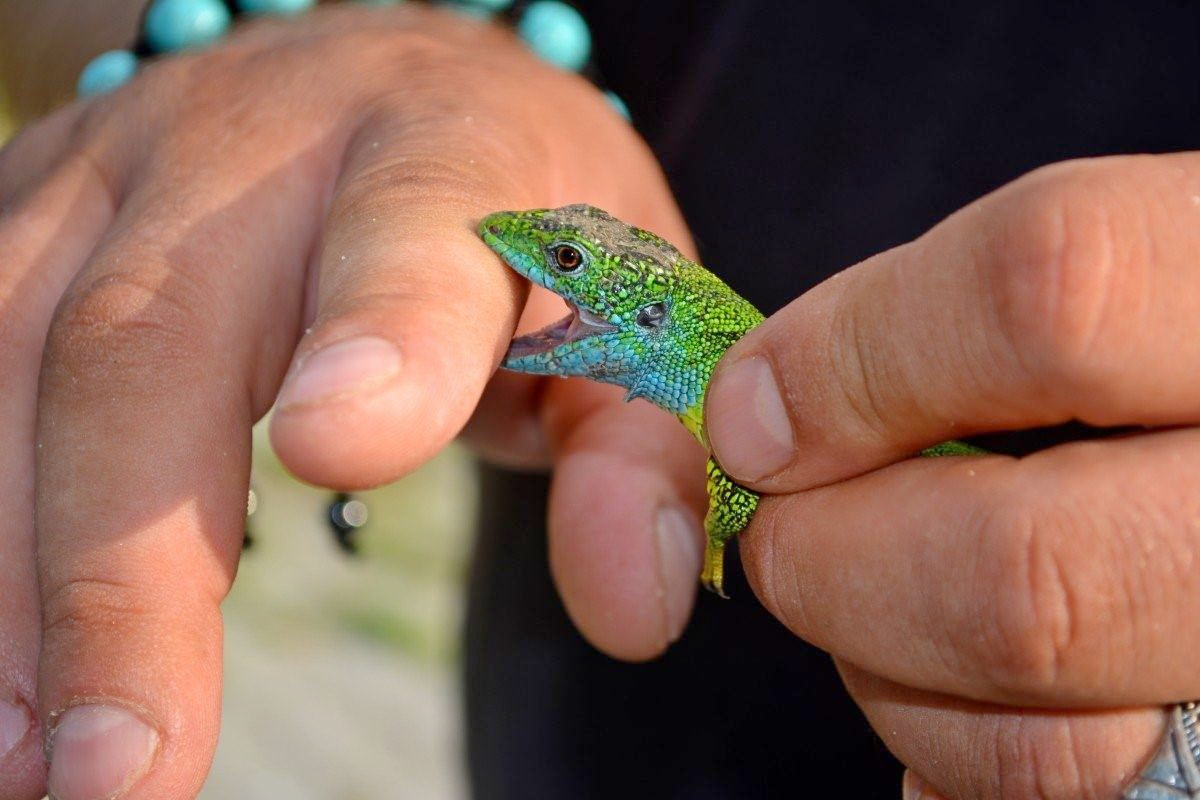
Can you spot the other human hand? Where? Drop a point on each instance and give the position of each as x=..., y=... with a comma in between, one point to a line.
x=1012, y=627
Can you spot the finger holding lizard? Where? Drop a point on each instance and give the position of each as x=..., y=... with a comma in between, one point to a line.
x=1013, y=627
x=625, y=521
x=1068, y=294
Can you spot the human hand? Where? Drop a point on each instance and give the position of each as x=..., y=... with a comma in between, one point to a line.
x=304, y=194
x=1011, y=627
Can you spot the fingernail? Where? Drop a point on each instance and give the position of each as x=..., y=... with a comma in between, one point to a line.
x=911, y=786
x=914, y=787
x=680, y=551
x=341, y=368
x=97, y=752
x=748, y=425
x=14, y=724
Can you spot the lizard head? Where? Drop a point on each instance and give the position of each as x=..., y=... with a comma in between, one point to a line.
x=615, y=279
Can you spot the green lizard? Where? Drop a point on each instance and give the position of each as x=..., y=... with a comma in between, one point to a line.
x=642, y=317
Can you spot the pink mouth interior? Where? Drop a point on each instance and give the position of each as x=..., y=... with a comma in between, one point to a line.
x=573, y=327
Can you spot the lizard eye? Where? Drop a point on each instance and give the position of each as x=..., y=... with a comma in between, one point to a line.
x=652, y=316
x=567, y=258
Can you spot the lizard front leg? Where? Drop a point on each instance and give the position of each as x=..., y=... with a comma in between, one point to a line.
x=730, y=508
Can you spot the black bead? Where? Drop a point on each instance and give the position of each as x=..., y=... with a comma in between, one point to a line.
x=345, y=516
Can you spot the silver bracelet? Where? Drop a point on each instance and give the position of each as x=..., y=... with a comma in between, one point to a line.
x=1174, y=772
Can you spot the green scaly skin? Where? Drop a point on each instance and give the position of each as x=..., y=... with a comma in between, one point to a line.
x=642, y=317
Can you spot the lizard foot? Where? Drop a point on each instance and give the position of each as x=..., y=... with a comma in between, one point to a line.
x=713, y=574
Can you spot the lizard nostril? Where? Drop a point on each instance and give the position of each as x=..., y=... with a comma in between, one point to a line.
x=494, y=230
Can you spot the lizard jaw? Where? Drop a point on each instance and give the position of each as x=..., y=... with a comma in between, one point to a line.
x=579, y=324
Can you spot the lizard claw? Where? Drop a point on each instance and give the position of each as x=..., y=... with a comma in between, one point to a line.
x=713, y=574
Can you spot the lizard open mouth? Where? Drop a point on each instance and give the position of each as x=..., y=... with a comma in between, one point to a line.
x=579, y=324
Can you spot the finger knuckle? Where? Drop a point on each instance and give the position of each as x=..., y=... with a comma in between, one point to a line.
x=1041, y=756
x=428, y=178
x=1061, y=606
x=772, y=556
x=124, y=321
x=867, y=378
x=469, y=165
x=1053, y=271
x=1032, y=606
x=477, y=153
x=84, y=604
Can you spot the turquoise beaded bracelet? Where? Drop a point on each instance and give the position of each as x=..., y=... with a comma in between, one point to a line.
x=553, y=30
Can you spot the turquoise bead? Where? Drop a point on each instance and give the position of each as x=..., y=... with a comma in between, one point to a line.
x=285, y=7
x=180, y=24
x=557, y=33
x=616, y=102
x=106, y=72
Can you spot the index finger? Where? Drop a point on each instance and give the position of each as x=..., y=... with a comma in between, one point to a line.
x=1060, y=580
x=1062, y=296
